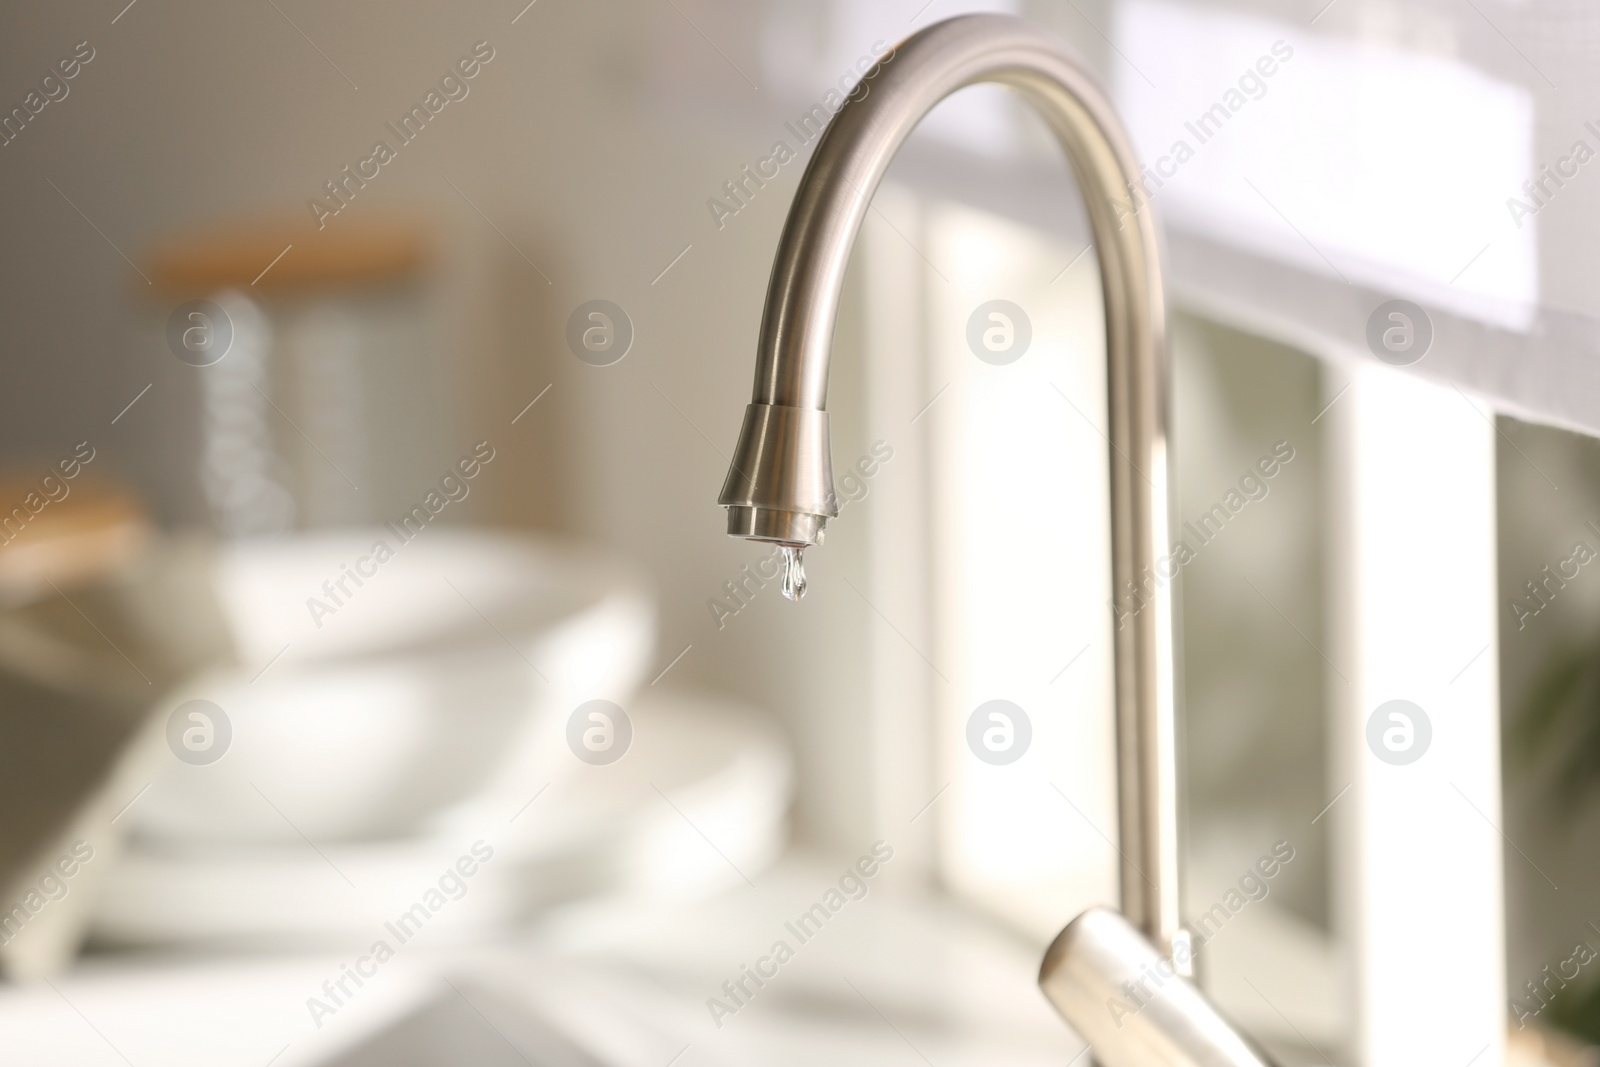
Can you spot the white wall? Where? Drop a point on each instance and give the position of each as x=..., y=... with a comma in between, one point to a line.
x=194, y=113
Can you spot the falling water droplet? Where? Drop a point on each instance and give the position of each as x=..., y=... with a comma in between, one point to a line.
x=794, y=572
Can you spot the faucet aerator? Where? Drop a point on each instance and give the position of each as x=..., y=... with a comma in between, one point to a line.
x=780, y=483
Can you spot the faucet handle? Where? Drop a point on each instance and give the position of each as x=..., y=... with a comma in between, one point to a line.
x=1131, y=1004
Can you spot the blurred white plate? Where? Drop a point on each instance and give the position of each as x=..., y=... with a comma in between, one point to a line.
x=697, y=804
x=431, y=682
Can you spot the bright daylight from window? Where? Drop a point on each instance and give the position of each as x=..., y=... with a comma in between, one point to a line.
x=680, y=533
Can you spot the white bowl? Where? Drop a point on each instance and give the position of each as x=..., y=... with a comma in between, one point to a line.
x=696, y=805
x=425, y=686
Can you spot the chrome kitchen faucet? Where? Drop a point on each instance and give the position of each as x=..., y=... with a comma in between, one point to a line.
x=780, y=487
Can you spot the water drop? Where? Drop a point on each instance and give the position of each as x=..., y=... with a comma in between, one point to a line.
x=794, y=572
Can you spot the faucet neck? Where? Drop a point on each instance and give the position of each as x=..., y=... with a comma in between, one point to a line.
x=781, y=480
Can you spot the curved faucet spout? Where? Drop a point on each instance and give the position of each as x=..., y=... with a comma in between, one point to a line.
x=780, y=486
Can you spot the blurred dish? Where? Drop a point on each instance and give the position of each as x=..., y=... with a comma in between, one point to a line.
x=369, y=710
x=697, y=804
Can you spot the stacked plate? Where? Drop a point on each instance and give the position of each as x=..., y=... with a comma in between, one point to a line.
x=395, y=737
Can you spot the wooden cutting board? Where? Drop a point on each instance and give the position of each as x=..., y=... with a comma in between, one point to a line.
x=92, y=531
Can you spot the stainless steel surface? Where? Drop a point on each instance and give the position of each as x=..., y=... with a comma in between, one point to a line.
x=780, y=484
x=778, y=488
x=1128, y=1001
